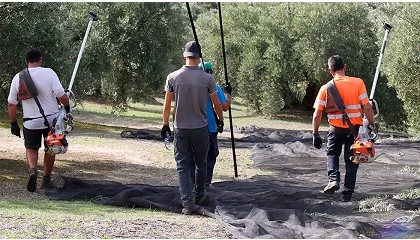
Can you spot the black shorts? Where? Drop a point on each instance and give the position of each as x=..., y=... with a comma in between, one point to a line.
x=34, y=137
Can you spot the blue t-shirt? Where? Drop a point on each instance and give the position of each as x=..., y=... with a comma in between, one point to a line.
x=210, y=113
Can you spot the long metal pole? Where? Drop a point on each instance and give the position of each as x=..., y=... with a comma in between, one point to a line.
x=227, y=82
x=93, y=17
x=195, y=35
x=387, y=28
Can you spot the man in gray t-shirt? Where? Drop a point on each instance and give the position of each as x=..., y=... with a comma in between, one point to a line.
x=190, y=87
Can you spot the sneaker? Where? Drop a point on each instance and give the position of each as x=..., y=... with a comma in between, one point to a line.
x=346, y=198
x=33, y=175
x=332, y=187
x=200, y=200
x=45, y=181
x=187, y=210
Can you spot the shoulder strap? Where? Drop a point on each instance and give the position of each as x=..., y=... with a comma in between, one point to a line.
x=339, y=102
x=24, y=74
x=34, y=92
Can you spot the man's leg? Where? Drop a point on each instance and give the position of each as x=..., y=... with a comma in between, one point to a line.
x=183, y=158
x=48, y=164
x=334, y=145
x=200, y=145
x=32, y=145
x=48, y=167
x=211, y=157
x=32, y=157
x=351, y=170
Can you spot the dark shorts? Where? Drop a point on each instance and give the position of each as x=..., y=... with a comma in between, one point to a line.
x=34, y=138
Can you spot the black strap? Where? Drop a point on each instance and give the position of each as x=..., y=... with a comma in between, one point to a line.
x=339, y=102
x=32, y=89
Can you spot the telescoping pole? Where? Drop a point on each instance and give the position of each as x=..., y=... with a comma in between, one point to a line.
x=227, y=82
x=387, y=28
x=93, y=17
x=195, y=35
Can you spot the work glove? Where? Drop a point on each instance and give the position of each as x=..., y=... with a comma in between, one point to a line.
x=220, y=125
x=69, y=117
x=15, y=129
x=166, y=131
x=317, y=141
x=228, y=88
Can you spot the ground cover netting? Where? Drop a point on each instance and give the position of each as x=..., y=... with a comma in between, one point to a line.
x=290, y=203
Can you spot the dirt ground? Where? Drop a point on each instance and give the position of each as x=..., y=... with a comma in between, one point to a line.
x=105, y=155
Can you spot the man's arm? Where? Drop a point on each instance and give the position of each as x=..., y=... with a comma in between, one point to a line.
x=226, y=105
x=316, y=120
x=64, y=100
x=12, y=109
x=367, y=108
x=217, y=105
x=66, y=103
x=167, y=107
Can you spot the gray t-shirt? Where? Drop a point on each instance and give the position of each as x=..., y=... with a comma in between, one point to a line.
x=191, y=87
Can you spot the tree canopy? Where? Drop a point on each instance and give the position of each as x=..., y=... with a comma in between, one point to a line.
x=276, y=52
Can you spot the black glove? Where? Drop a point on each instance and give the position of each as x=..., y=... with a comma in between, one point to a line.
x=228, y=88
x=165, y=129
x=220, y=125
x=15, y=129
x=317, y=141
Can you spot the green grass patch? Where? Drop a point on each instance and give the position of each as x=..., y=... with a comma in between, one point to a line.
x=412, y=193
x=376, y=204
x=80, y=208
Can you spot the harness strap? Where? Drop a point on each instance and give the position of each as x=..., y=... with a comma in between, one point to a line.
x=339, y=101
x=32, y=89
x=29, y=119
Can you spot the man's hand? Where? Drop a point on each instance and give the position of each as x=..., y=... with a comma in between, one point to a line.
x=228, y=88
x=15, y=129
x=69, y=117
x=220, y=125
x=317, y=141
x=165, y=129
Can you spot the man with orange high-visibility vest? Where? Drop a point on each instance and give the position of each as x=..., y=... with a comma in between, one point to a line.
x=352, y=91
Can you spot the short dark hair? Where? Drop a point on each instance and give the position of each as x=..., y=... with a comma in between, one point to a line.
x=33, y=55
x=335, y=62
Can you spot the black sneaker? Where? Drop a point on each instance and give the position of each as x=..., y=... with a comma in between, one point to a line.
x=187, y=210
x=45, y=181
x=346, y=198
x=200, y=200
x=32, y=180
x=331, y=187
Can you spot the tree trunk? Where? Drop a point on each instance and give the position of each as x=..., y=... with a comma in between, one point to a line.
x=310, y=95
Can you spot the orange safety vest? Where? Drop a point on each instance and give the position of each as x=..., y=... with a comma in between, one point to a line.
x=352, y=91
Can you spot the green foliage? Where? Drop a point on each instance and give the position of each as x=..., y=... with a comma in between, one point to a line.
x=133, y=49
x=127, y=56
x=400, y=59
x=276, y=52
x=27, y=25
x=325, y=29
